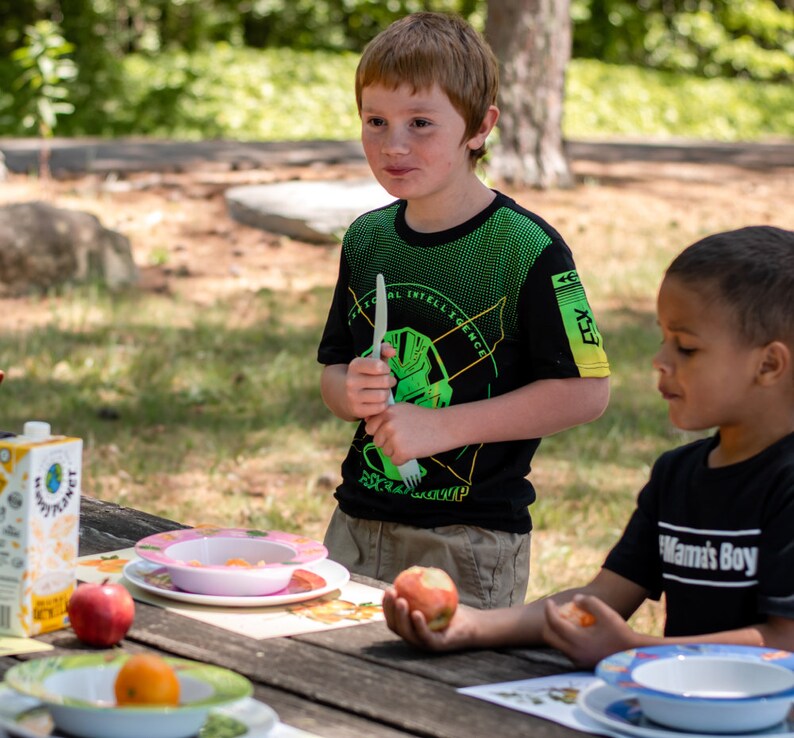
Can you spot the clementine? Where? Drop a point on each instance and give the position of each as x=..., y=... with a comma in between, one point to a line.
x=146, y=679
x=577, y=615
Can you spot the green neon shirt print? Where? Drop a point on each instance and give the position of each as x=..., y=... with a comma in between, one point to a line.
x=585, y=341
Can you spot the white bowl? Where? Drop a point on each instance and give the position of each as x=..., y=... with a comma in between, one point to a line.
x=706, y=688
x=78, y=691
x=198, y=559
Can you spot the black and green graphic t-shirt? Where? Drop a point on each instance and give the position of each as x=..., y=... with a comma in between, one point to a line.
x=474, y=312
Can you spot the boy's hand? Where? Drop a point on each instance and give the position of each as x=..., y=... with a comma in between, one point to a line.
x=586, y=646
x=412, y=626
x=405, y=431
x=367, y=384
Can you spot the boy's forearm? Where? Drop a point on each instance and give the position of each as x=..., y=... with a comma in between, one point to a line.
x=536, y=410
x=520, y=626
x=511, y=627
x=332, y=389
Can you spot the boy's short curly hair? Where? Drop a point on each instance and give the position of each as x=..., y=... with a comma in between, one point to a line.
x=750, y=271
x=424, y=49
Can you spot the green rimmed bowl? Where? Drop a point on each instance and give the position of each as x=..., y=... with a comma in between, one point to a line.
x=78, y=691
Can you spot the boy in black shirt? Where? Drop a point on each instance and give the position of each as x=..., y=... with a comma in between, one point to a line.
x=713, y=527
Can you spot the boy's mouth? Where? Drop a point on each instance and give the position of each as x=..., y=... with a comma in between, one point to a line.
x=396, y=171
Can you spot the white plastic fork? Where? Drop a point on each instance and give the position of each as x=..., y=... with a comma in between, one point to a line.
x=410, y=472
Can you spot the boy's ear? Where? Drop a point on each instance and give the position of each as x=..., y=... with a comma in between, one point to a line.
x=487, y=125
x=775, y=362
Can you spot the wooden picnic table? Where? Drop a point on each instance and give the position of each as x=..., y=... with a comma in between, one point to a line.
x=360, y=681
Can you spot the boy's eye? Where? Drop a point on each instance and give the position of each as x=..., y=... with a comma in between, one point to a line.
x=376, y=122
x=686, y=351
x=421, y=123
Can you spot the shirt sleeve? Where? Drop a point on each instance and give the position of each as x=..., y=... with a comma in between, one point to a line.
x=564, y=340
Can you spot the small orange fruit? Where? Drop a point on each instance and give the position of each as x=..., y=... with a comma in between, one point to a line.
x=577, y=615
x=146, y=679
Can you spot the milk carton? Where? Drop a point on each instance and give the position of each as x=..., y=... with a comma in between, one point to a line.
x=39, y=526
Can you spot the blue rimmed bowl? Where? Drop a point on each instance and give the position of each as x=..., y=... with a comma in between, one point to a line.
x=706, y=688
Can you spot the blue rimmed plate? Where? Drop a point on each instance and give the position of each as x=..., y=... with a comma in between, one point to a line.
x=612, y=709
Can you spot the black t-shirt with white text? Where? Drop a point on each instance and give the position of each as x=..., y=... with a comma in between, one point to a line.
x=718, y=542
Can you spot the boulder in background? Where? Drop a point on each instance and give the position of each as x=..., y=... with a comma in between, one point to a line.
x=42, y=246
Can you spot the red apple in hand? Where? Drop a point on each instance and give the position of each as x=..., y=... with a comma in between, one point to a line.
x=431, y=591
x=101, y=614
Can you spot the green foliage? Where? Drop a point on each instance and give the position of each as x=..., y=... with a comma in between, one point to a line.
x=283, y=94
x=336, y=24
x=42, y=84
x=750, y=38
x=188, y=69
x=745, y=38
x=607, y=100
x=274, y=94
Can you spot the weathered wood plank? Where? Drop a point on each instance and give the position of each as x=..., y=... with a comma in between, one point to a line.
x=105, y=526
x=375, y=643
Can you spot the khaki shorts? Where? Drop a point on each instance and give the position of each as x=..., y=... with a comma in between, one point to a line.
x=490, y=567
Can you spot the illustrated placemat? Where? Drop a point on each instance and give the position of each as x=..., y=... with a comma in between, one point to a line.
x=552, y=698
x=350, y=605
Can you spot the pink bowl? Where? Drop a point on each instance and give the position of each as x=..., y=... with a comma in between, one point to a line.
x=231, y=562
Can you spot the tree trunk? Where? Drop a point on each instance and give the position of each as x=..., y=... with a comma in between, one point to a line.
x=532, y=40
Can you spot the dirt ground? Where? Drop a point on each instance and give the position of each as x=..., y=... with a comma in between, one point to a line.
x=185, y=243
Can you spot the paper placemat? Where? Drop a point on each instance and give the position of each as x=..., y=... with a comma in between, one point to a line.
x=352, y=604
x=552, y=698
x=10, y=646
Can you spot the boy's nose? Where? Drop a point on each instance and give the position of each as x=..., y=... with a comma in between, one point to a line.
x=395, y=142
x=659, y=362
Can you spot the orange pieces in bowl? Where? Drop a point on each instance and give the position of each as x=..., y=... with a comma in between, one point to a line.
x=146, y=679
x=244, y=563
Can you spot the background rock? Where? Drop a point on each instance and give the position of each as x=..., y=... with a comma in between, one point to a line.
x=42, y=246
x=317, y=212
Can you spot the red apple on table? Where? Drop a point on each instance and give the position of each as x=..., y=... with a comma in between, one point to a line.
x=431, y=591
x=101, y=614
